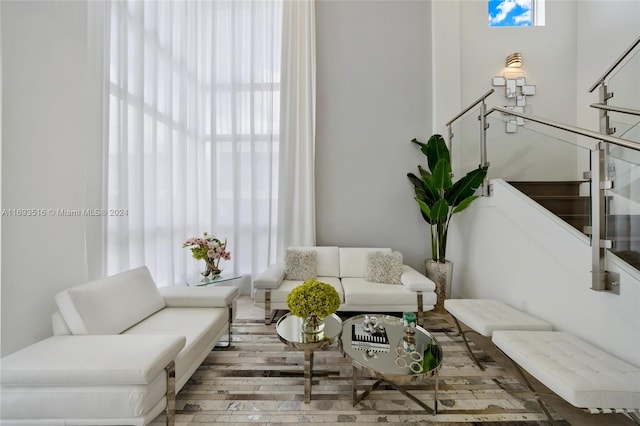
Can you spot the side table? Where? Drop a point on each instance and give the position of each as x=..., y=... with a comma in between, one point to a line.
x=289, y=329
x=197, y=280
x=392, y=363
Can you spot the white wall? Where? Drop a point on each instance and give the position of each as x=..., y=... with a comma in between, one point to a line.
x=43, y=137
x=549, y=62
x=507, y=248
x=373, y=86
x=605, y=30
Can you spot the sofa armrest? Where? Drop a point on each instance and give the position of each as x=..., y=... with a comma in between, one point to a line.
x=271, y=277
x=415, y=281
x=198, y=297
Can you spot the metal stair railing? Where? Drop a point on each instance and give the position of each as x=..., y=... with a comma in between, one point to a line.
x=616, y=64
x=483, y=135
x=602, y=280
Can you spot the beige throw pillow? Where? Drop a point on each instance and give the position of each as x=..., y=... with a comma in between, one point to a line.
x=384, y=267
x=300, y=265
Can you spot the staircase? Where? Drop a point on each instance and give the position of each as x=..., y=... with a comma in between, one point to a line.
x=563, y=199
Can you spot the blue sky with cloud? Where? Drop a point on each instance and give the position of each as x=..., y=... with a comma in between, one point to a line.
x=509, y=13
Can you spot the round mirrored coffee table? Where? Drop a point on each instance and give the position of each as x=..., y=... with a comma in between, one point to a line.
x=391, y=354
x=289, y=329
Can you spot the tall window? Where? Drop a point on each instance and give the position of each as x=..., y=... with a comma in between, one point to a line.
x=516, y=13
x=193, y=132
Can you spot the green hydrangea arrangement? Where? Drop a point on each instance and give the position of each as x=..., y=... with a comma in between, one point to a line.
x=313, y=298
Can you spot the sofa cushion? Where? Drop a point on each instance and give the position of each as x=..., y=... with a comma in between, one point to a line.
x=487, y=315
x=328, y=264
x=584, y=375
x=358, y=291
x=110, y=305
x=200, y=327
x=300, y=264
x=353, y=260
x=384, y=267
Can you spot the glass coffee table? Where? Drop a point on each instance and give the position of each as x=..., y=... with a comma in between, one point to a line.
x=390, y=354
x=289, y=329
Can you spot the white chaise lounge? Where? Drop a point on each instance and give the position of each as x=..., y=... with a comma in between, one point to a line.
x=121, y=350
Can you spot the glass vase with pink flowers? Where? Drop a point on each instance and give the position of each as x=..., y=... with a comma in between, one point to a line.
x=210, y=249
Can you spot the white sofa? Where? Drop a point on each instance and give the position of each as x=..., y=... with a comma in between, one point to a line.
x=345, y=268
x=121, y=350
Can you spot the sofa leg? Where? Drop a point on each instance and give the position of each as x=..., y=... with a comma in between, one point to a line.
x=267, y=307
x=230, y=308
x=420, y=309
x=171, y=393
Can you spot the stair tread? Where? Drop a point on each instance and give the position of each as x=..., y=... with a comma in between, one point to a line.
x=547, y=182
x=560, y=197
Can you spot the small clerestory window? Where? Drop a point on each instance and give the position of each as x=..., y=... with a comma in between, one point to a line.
x=516, y=13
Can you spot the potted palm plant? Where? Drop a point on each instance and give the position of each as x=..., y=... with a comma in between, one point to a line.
x=439, y=199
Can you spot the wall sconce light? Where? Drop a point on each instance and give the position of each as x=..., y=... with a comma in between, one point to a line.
x=514, y=60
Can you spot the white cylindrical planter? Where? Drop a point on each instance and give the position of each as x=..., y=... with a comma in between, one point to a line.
x=440, y=273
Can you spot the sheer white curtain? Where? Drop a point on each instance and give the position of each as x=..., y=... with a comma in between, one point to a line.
x=298, y=126
x=194, y=133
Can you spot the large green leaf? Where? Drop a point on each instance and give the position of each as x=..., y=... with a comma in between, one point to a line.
x=423, y=188
x=416, y=181
x=424, y=210
x=436, y=150
x=423, y=172
x=421, y=194
x=466, y=186
x=430, y=189
x=439, y=211
x=442, y=175
x=464, y=204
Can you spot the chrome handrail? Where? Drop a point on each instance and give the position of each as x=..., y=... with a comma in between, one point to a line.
x=615, y=65
x=615, y=109
x=577, y=130
x=467, y=109
x=602, y=279
x=483, y=124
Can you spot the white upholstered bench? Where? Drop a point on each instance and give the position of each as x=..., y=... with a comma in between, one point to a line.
x=582, y=374
x=485, y=316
